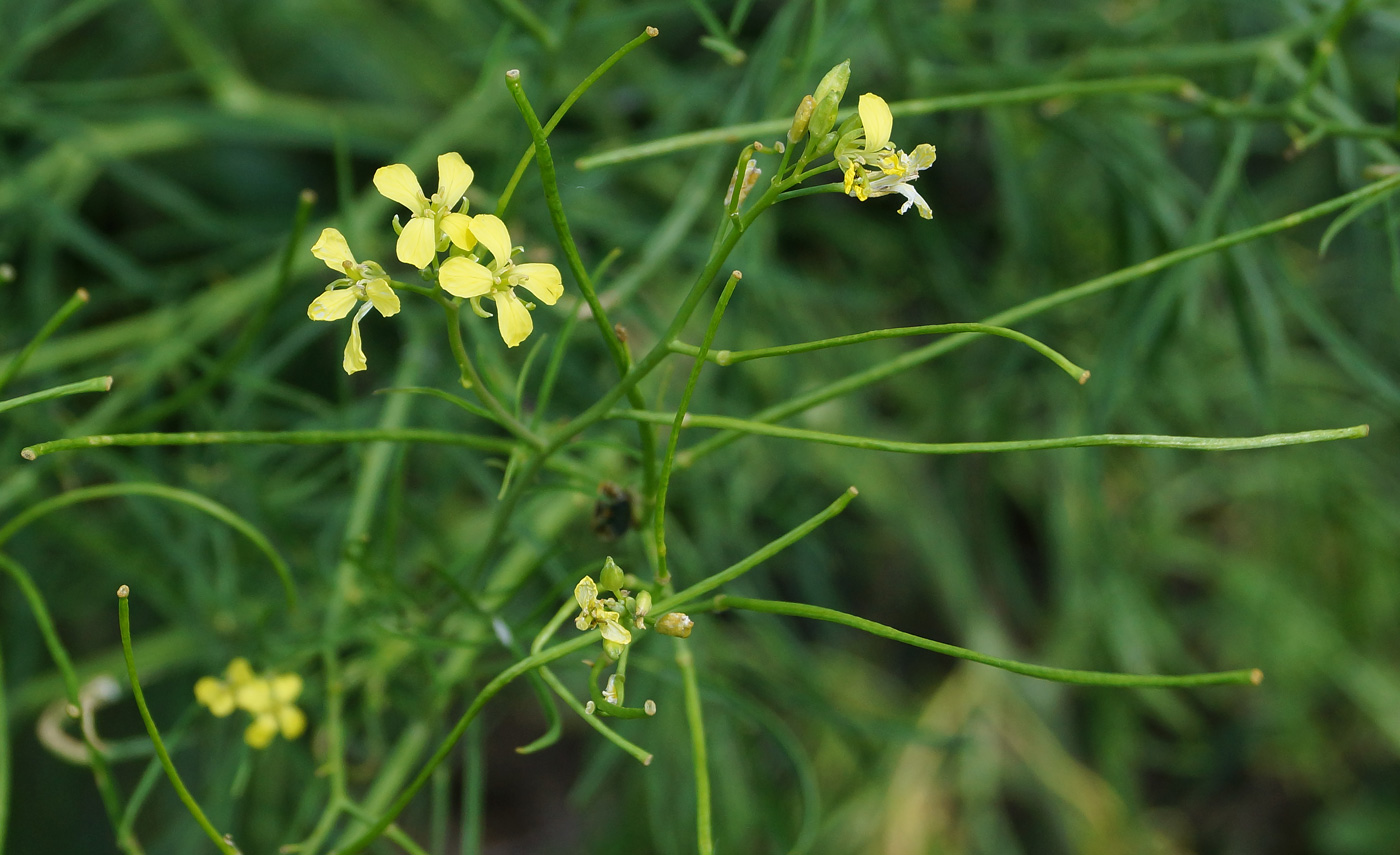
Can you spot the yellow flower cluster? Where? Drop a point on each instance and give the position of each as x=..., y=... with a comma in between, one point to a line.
x=434, y=228
x=595, y=613
x=269, y=699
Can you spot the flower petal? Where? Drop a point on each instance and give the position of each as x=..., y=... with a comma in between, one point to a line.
x=382, y=297
x=398, y=182
x=239, y=672
x=458, y=228
x=513, y=318
x=492, y=233
x=454, y=177
x=542, y=280
x=331, y=306
x=462, y=277
x=875, y=117
x=292, y=721
x=417, y=242
x=214, y=694
x=614, y=631
x=354, y=359
x=260, y=733
x=331, y=248
x=286, y=687
x=585, y=592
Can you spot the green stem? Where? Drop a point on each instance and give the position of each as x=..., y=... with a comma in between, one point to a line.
x=587, y=83
x=94, y=384
x=641, y=755
x=730, y=357
x=860, y=379
x=521, y=14
x=1326, y=46
x=258, y=437
x=219, y=840
x=174, y=494
x=602, y=705
x=695, y=722
x=734, y=571
x=75, y=302
x=393, y=832
x=1247, y=676
x=471, y=378
x=663, y=575
x=1197, y=443
x=486, y=694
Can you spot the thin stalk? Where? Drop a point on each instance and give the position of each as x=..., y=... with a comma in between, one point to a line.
x=532, y=24
x=160, y=491
x=1246, y=676
x=730, y=357
x=75, y=302
x=1031, y=308
x=734, y=571
x=695, y=722
x=222, y=842
x=663, y=575
x=1197, y=443
x=641, y=755
x=471, y=378
x=393, y=832
x=1326, y=46
x=488, y=692
x=587, y=83
x=272, y=437
x=93, y=384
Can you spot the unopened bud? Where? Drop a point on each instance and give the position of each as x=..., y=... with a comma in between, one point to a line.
x=643, y=603
x=828, y=99
x=611, y=577
x=801, y=119
x=676, y=625
x=613, y=650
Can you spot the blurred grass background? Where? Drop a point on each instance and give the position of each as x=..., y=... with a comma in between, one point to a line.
x=153, y=153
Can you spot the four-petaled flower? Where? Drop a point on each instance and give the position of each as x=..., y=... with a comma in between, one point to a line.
x=363, y=281
x=270, y=700
x=463, y=277
x=871, y=164
x=433, y=217
x=594, y=613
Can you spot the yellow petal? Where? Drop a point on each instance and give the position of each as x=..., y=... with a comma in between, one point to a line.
x=354, y=355
x=260, y=733
x=585, y=592
x=876, y=119
x=454, y=177
x=492, y=233
x=614, y=631
x=398, y=182
x=332, y=305
x=583, y=622
x=333, y=250
x=286, y=687
x=214, y=694
x=239, y=672
x=292, y=721
x=382, y=297
x=462, y=277
x=255, y=697
x=513, y=318
x=458, y=228
x=924, y=155
x=542, y=280
x=417, y=242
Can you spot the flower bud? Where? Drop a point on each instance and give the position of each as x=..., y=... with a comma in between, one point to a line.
x=828, y=99
x=611, y=577
x=613, y=651
x=801, y=119
x=643, y=603
x=676, y=625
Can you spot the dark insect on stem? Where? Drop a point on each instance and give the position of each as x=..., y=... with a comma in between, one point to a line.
x=614, y=512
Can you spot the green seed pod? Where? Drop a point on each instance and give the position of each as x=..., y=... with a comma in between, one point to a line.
x=676, y=625
x=611, y=577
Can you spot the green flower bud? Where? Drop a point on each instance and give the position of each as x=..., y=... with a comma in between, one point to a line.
x=611, y=577
x=828, y=99
x=801, y=119
x=675, y=624
x=834, y=81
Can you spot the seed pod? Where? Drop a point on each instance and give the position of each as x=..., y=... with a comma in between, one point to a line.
x=676, y=625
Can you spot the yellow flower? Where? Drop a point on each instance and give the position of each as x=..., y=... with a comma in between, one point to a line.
x=594, y=613
x=433, y=218
x=463, y=277
x=220, y=696
x=363, y=282
x=270, y=701
x=871, y=164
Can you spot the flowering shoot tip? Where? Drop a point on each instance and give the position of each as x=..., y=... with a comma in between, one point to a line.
x=852, y=490
x=513, y=74
x=107, y=383
x=649, y=707
x=1083, y=378
x=28, y=454
x=123, y=592
x=1256, y=676
x=653, y=32
x=82, y=294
